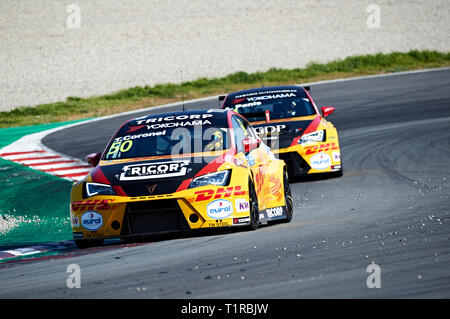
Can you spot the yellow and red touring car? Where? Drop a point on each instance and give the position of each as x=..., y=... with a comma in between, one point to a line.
x=180, y=171
x=288, y=120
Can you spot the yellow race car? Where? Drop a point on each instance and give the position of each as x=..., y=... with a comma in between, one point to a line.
x=179, y=171
x=288, y=120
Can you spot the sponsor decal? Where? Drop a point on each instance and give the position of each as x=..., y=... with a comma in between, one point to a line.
x=91, y=220
x=137, y=136
x=242, y=96
x=336, y=156
x=119, y=147
x=247, y=104
x=75, y=221
x=93, y=234
x=270, y=97
x=220, y=192
x=313, y=149
x=173, y=118
x=219, y=209
x=242, y=220
x=241, y=205
x=274, y=212
x=276, y=188
x=99, y=204
x=269, y=129
x=320, y=161
x=154, y=170
x=177, y=124
x=135, y=128
x=235, y=101
x=259, y=179
x=219, y=224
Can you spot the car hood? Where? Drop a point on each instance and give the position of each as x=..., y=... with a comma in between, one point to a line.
x=280, y=134
x=153, y=176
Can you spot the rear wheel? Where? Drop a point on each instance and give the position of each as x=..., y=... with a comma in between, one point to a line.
x=254, y=210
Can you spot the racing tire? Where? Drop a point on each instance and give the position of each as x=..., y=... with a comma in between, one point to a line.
x=88, y=243
x=254, y=209
x=287, y=198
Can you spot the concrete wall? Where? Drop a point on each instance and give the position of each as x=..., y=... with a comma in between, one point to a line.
x=45, y=57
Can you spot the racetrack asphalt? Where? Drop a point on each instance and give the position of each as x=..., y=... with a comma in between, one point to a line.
x=390, y=208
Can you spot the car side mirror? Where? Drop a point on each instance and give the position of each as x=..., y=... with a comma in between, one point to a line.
x=221, y=100
x=93, y=158
x=327, y=110
x=250, y=144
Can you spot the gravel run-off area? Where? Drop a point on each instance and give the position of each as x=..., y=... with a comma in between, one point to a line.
x=50, y=50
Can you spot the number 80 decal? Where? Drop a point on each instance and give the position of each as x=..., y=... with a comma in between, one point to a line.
x=119, y=147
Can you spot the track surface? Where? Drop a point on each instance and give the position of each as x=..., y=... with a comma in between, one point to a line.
x=391, y=207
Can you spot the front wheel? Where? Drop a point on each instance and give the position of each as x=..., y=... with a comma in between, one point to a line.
x=254, y=209
x=288, y=199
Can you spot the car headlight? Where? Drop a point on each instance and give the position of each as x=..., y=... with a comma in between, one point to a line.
x=317, y=136
x=217, y=178
x=93, y=189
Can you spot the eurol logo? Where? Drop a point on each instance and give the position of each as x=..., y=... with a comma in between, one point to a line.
x=219, y=209
x=320, y=161
x=91, y=220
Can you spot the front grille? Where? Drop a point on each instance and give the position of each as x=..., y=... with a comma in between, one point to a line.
x=159, y=187
x=154, y=217
x=297, y=166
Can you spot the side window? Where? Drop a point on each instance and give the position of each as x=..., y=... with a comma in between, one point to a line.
x=240, y=133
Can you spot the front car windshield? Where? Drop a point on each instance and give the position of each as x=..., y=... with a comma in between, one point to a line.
x=170, y=135
x=279, y=104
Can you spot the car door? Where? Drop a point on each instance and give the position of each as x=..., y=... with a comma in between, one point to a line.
x=256, y=159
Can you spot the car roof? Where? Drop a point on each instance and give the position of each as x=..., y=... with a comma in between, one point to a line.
x=217, y=114
x=267, y=89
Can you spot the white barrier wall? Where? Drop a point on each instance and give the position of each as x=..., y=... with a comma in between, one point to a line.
x=50, y=50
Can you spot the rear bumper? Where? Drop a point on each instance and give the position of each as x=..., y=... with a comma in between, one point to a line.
x=312, y=159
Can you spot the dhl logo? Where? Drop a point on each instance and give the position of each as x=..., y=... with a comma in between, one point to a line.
x=222, y=192
x=99, y=204
x=322, y=148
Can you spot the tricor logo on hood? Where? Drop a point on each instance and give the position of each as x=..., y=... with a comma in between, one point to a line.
x=154, y=170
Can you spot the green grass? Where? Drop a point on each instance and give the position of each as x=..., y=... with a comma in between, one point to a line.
x=34, y=206
x=138, y=97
